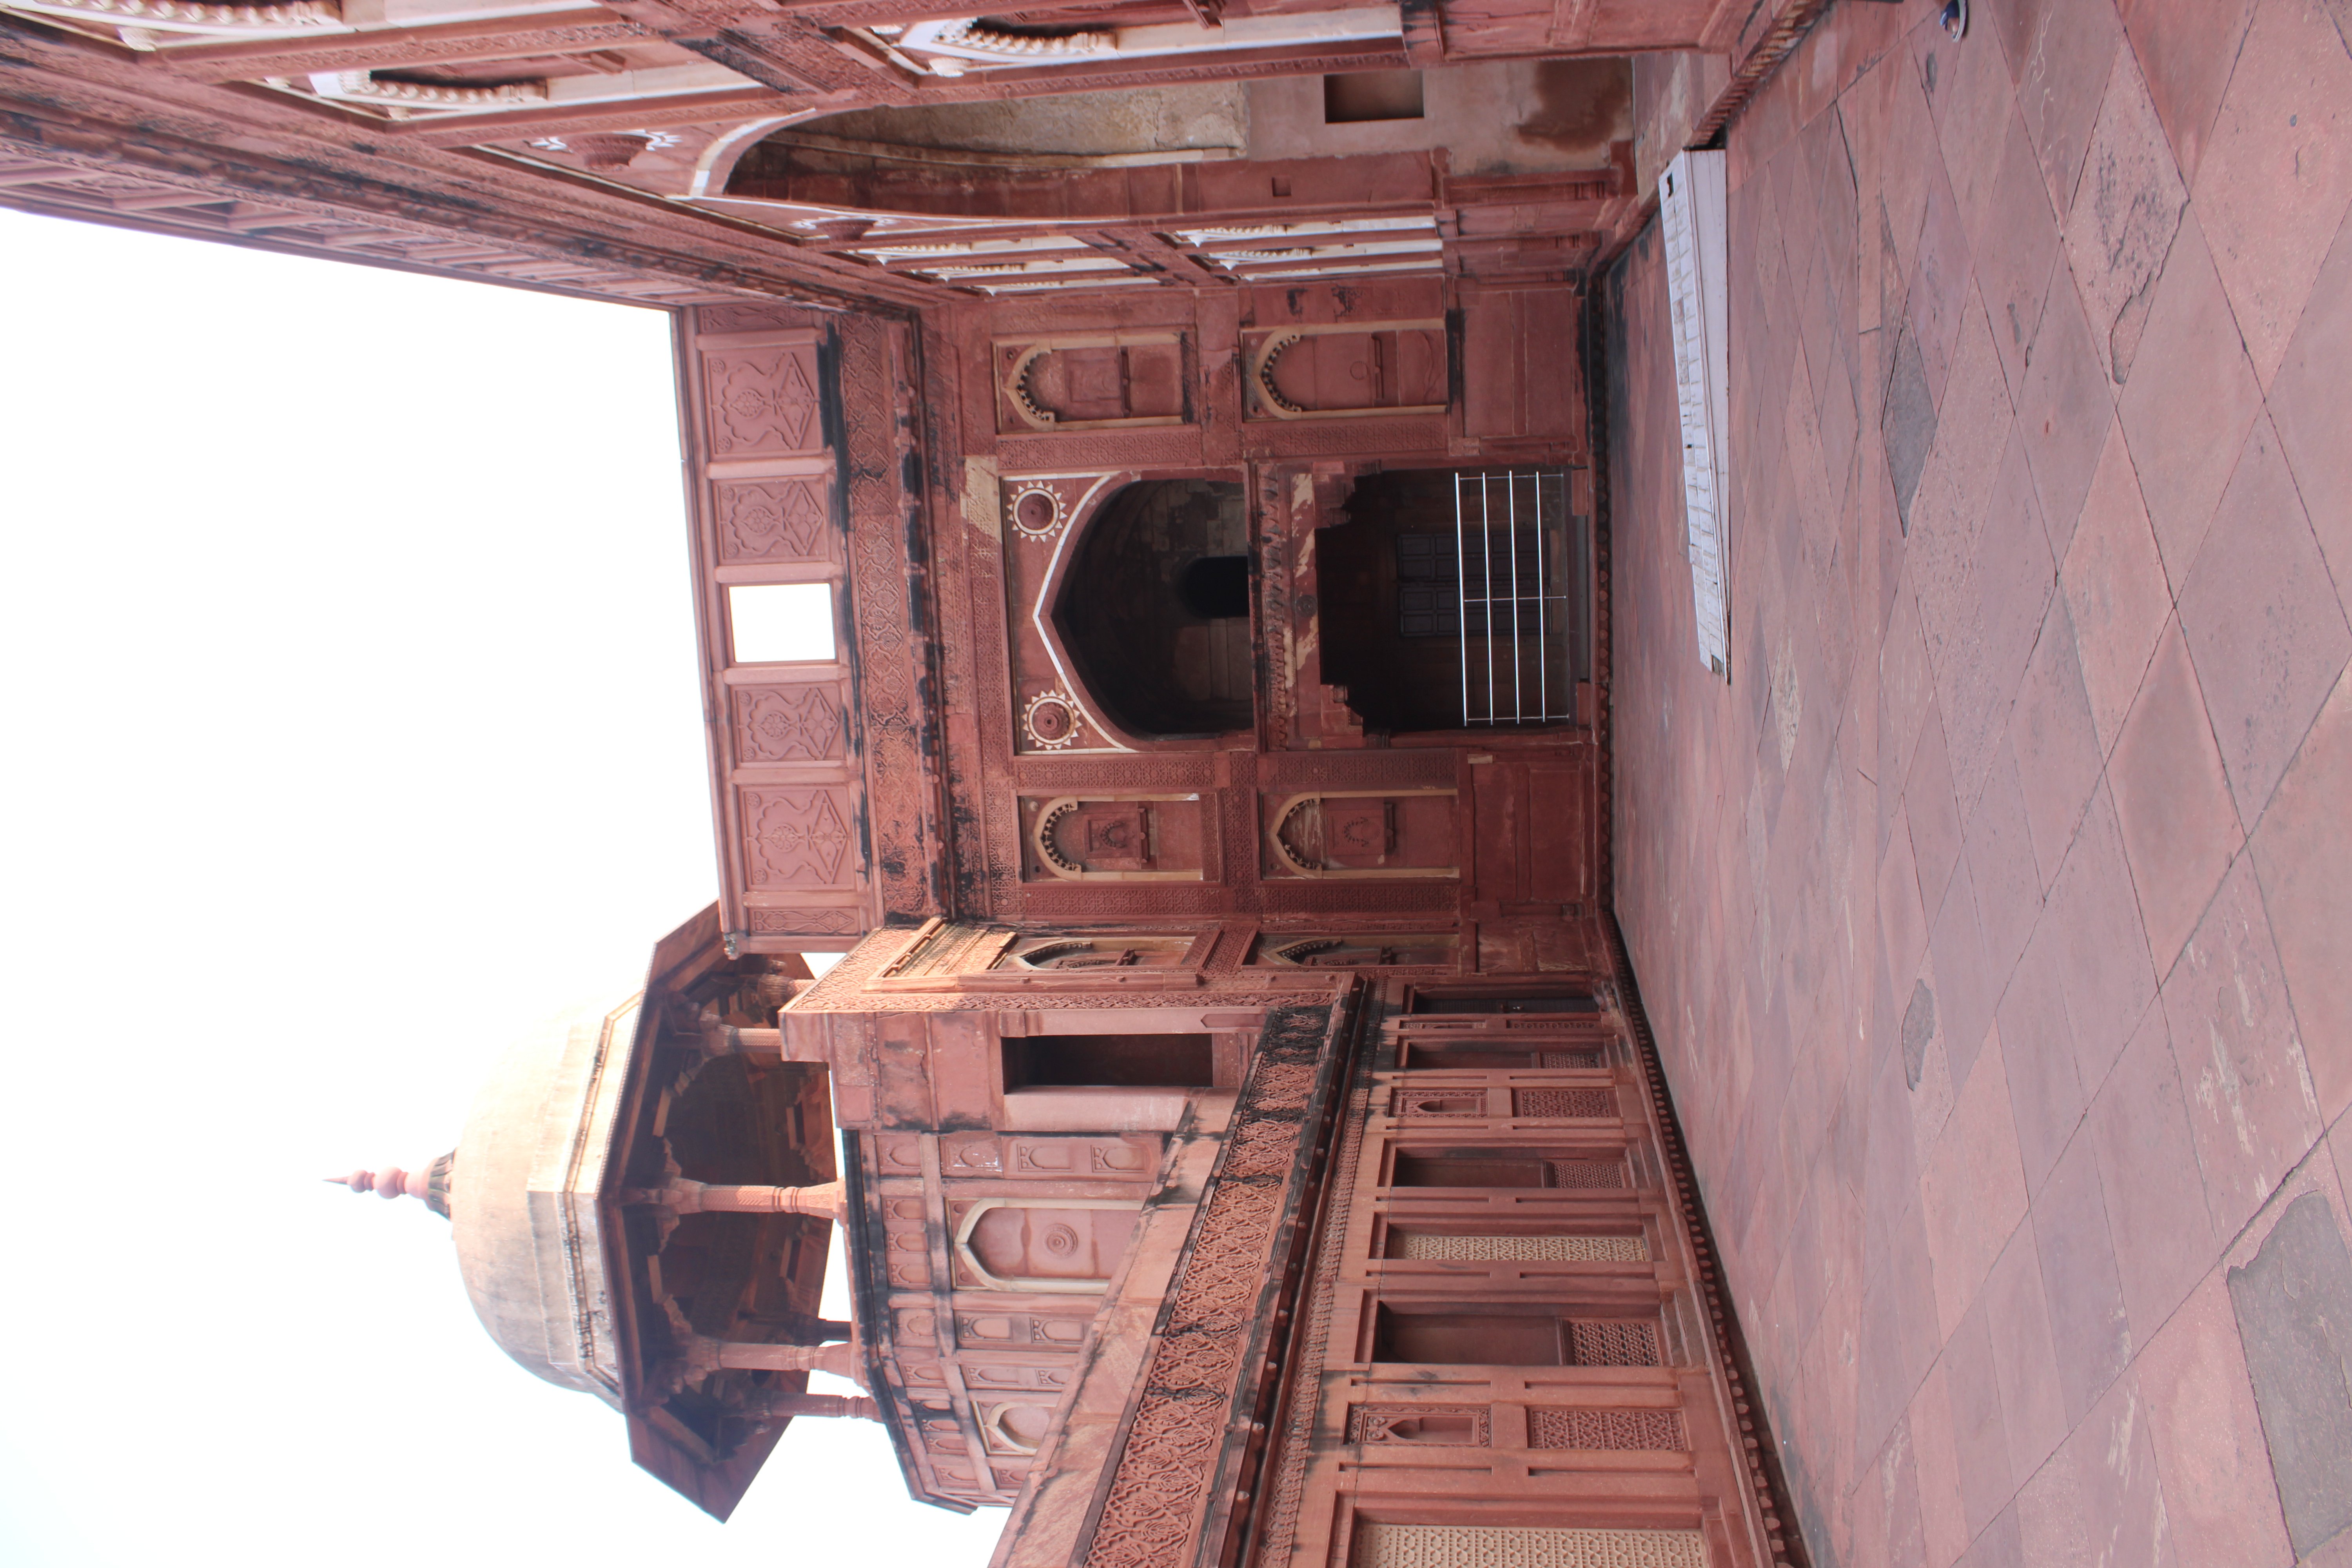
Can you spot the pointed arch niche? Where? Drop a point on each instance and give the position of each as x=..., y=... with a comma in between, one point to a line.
x=1147, y=609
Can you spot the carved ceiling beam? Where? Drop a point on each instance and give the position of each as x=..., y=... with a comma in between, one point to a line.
x=1107, y=71
x=86, y=105
x=395, y=48
x=781, y=1403
x=868, y=13
x=574, y=118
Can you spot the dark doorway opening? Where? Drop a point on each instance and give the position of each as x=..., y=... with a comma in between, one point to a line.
x=1566, y=1001
x=1352, y=97
x=1108, y=1061
x=1457, y=600
x=1154, y=610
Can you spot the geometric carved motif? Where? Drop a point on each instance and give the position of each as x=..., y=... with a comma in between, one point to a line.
x=895, y=722
x=771, y=520
x=1520, y=1546
x=784, y=723
x=1585, y=1174
x=1436, y=1426
x=1620, y=1430
x=1152, y=1510
x=808, y=922
x=1612, y=1341
x=763, y=402
x=1521, y=1248
x=1563, y=1102
x=1571, y=1059
x=710, y=319
x=795, y=838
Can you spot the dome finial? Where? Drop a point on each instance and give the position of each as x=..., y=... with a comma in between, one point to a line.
x=429, y=1187
x=392, y=1183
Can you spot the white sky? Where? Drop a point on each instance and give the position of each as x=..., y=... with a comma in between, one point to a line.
x=350, y=689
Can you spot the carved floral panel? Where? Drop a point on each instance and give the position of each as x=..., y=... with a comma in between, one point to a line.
x=798, y=838
x=773, y=520
x=763, y=402
x=787, y=724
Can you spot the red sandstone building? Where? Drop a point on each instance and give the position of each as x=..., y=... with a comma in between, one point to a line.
x=1152, y=553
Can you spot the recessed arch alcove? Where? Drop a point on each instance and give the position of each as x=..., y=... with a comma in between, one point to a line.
x=1153, y=609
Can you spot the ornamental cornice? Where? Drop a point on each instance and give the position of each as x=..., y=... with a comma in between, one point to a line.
x=187, y=15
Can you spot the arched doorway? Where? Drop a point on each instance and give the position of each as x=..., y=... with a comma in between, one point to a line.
x=1154, y=609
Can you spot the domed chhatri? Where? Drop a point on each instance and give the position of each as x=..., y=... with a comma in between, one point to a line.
x=641, y=1204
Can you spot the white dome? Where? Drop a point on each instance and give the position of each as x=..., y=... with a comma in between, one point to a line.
x=522, y=1201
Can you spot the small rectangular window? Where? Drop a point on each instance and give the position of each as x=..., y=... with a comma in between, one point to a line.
x=1349, y=96
x=1108, y=1061
x=781, y=623
x=1562, y=1002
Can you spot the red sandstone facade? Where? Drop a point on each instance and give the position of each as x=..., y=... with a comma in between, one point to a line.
x=1152, y=578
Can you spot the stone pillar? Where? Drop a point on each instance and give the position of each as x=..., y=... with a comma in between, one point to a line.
x=682, y=1196
x=704, y=1356
x=782, y=1403
x=726, y=1041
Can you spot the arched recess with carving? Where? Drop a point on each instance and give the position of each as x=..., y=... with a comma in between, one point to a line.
x=1053, y=1246
x=1148, y=607
x=1348, y=371
x=1346, y=833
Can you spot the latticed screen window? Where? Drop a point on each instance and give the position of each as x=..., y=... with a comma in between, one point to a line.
x=1648, y=1430
x=1571, y=1059
x=1563, y=1102
x=1585, y=1172
x=1514, y=1546
x=1612, y=1341
x=1518, y=1248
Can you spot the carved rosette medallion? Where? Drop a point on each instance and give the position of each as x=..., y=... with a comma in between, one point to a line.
x=1036, y=513
x=1051, y=721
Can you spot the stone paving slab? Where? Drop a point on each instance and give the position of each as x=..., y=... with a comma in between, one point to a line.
x=1996, y=915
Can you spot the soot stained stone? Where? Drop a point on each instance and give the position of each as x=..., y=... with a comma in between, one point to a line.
x=2294, y=1305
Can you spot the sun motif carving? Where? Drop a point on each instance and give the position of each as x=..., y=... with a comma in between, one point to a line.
x=1036, y=513
x=1051, y=721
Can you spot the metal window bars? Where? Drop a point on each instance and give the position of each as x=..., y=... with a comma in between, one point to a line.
x=1516, y=614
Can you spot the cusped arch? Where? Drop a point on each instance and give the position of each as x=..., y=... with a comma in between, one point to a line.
x=1158, y=641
